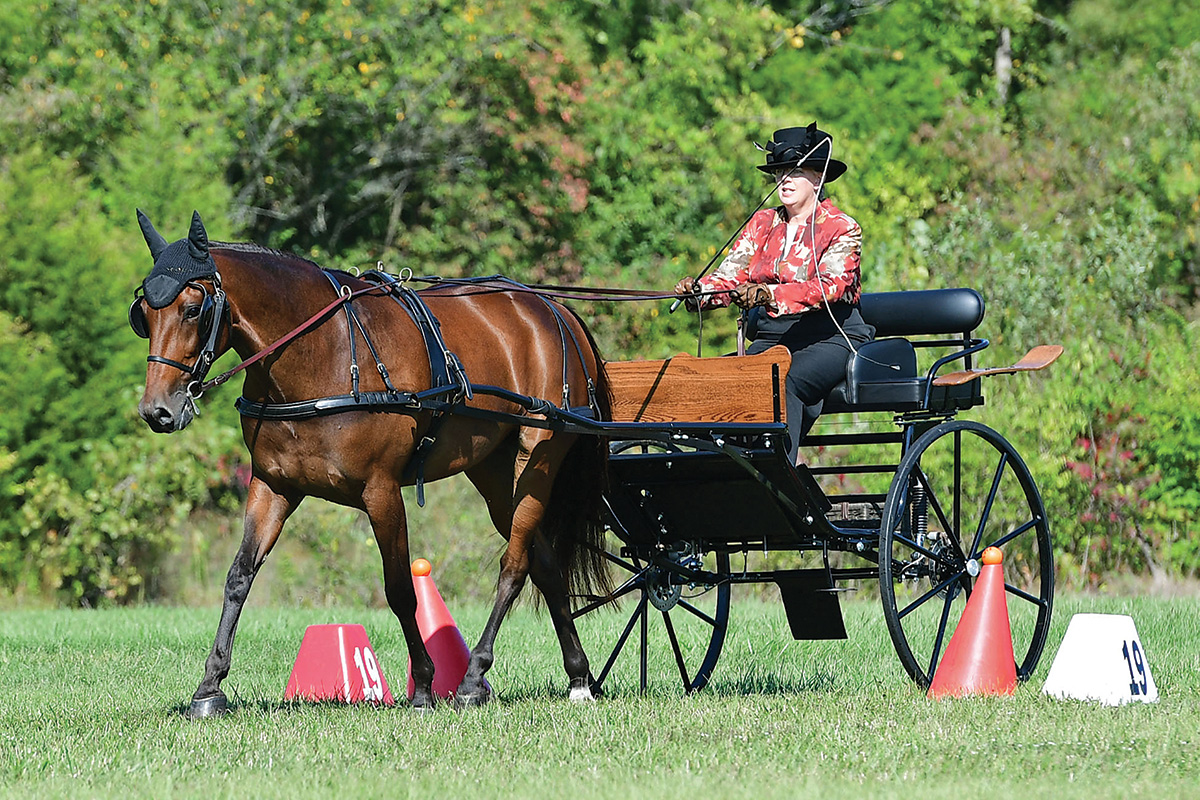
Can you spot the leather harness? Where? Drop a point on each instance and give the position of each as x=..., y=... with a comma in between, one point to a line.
x=449, y=385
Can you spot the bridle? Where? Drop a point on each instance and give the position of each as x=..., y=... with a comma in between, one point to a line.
x=214, y=310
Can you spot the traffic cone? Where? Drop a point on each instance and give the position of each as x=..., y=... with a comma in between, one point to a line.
x=979, y=658
x=442, y=639
x=336, y=663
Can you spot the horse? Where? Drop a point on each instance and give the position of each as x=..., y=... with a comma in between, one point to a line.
x=542, y=486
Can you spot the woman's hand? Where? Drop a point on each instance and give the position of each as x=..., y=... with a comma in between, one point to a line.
x=689, y=286
x=751, y=295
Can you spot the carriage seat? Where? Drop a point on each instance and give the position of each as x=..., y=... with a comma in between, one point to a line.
x=882, y=375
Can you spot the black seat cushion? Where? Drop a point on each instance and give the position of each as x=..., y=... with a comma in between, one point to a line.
x=881, y=375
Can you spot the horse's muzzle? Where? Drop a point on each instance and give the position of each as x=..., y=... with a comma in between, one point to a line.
x=162, y=418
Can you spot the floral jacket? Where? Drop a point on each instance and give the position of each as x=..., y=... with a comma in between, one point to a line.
x=757, y=257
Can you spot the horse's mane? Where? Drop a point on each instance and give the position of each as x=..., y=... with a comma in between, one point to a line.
x=250, y=248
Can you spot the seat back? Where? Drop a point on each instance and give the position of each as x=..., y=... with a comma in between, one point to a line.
x=928, y=312
x=882, y=375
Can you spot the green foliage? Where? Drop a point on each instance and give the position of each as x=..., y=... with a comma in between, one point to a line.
x=57, y=285
x=596, y=143
x=102, y=545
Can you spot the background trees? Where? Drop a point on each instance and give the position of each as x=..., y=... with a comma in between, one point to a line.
x=1043, y=152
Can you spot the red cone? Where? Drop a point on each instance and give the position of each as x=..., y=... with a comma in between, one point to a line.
x=336, y=662
x=979, y=658
x=442, y=639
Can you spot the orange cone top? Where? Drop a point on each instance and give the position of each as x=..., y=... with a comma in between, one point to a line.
x=421, y=568
x=991, y=555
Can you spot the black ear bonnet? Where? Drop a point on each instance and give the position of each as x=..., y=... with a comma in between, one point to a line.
x=176, y=265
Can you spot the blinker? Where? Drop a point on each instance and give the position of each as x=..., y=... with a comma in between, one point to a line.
x=137, y=314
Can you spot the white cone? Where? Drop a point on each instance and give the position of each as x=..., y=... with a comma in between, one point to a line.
x=1101, y=659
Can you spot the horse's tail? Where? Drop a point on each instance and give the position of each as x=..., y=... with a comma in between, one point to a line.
x=575, y=516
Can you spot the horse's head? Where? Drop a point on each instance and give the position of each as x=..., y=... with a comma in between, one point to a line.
x=180, y=307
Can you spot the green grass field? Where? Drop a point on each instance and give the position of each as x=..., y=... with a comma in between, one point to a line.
x=90, y=706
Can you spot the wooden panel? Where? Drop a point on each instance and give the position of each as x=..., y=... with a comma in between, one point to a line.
x=689, y=389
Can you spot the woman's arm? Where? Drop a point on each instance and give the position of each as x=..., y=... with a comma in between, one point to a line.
x=735, y=269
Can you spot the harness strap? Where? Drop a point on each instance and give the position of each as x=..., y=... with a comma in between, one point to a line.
x=337, y=287
x=445, y=369
x=563, y=331
x=295, y=333
x=415, y=468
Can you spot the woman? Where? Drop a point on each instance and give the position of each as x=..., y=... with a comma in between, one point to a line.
x=800, y=262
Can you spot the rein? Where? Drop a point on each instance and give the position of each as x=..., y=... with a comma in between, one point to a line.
x=614, y=294
x=344, y=296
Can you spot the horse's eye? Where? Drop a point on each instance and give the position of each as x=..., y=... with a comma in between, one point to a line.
x=191, y=312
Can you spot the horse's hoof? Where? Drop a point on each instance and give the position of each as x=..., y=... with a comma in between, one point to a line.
x=211, y=706
x=581, y=694
x=472, y=700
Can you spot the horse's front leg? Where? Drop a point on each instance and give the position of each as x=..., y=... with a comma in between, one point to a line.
x=385, y=507
x=266, y=511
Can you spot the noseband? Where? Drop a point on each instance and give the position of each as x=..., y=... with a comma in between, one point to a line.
x=213, y=312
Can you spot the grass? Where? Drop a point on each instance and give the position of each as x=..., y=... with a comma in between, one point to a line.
x=90, y=706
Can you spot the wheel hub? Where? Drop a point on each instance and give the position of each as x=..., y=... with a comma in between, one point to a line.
x=660, y=591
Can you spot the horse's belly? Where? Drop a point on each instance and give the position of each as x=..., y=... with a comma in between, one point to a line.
x=336, y=457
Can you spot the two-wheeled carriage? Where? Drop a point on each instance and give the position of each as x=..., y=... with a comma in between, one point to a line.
x=701, y=488
x=496, y=380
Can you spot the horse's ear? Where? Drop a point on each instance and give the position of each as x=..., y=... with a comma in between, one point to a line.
x=154, y=239
x=197, y=236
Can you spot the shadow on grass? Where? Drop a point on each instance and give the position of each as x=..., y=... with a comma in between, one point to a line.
x=753, y=682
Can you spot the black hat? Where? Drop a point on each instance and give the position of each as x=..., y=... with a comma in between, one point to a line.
x=175, y=264
x=808, y=147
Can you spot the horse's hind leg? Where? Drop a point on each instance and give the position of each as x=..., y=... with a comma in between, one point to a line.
x=552, y=583
x=266, y=511
x=385, y=507
x=535, y=465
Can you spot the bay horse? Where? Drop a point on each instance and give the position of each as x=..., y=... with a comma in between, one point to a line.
x=543, y=487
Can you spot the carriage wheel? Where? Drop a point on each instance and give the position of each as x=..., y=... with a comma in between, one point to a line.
x=679, y=627
x=960, y=488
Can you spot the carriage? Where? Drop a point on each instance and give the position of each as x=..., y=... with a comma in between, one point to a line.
x=700, y=485
x=498, y=381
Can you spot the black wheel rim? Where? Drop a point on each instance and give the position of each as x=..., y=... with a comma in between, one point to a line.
x=960, y=488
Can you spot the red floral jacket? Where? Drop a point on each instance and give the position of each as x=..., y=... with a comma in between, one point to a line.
x=757, y=257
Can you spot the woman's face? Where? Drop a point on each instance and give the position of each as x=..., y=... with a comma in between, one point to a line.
x=798, y=186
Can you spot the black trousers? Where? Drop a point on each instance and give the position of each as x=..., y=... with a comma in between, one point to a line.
x=819, y=356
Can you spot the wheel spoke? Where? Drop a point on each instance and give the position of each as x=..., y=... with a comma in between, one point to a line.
x=675, y=649
x=1037, y=601
x=987, y=506
x=941, y=634
x=925, y=551
x=920, y=601
x=612, y=659
x=1003, y=540
x=622, y=590
x=950, y=529
x=645, y=649
x=686, y=606
x=620, y=562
